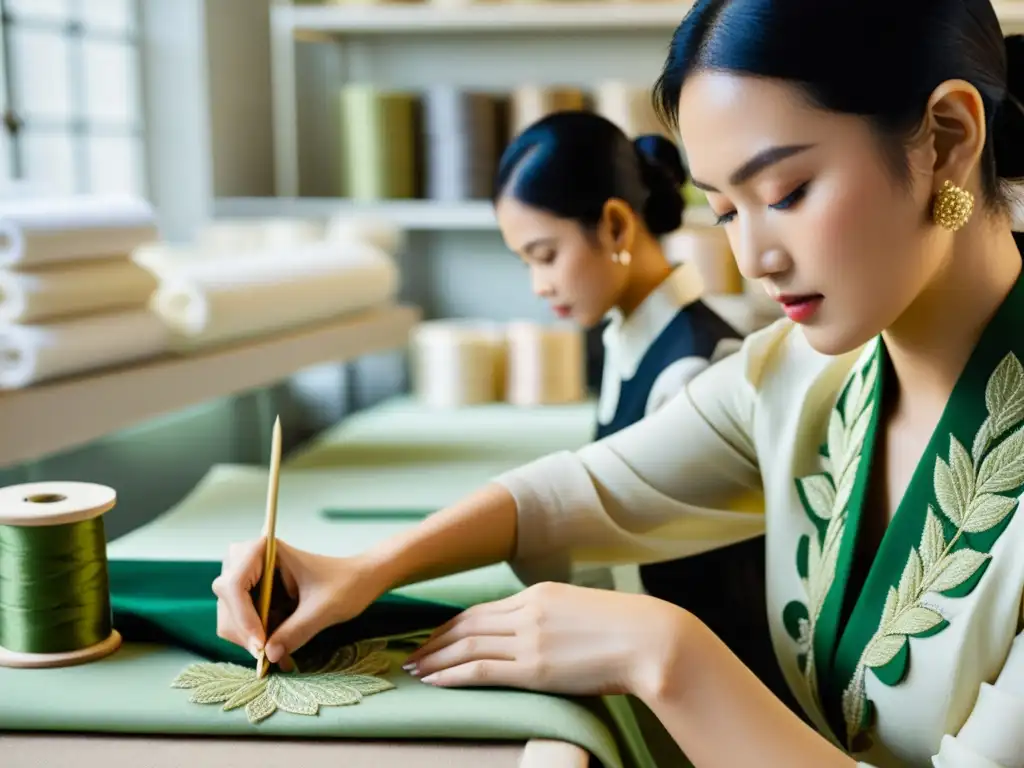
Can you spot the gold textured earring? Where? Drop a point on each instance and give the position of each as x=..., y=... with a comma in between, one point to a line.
x=622, y=257
x=953, y=206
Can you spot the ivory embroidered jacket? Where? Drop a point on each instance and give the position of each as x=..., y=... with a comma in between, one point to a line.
x=913, y=656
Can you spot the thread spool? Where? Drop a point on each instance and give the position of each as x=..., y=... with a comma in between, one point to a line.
x=54, y=584
x=707, y=249
x=456, y=363
x=546, y=364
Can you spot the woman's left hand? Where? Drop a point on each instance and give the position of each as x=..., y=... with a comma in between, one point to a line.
x=555, y=638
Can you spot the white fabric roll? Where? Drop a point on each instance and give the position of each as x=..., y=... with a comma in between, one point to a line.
x=231, y=237
x=456, y=363
x=546, y=364
x=220, y=300
x=30, y=354
x=76, y=289
x=47, y=230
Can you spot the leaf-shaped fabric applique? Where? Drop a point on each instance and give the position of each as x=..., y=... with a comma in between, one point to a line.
x=951, y=498
x=933, y=540
x=987, y=510
x=882, y=649
x=1004, y=395
x=957, y=568
x=915, y=620
x=819, y=494
x=1003, y=469
x=910, y=581
x=291, y=693
x=242, y=696
x=353, y=674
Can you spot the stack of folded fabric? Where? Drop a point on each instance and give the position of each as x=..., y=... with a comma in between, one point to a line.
x=72, y=300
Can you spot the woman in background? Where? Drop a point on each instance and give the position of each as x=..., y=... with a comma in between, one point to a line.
x=585, y=209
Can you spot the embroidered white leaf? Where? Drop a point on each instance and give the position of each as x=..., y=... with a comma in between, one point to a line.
x=860, y=427
x=846, y=484
x=954, y=482
x=987, y=511
x=349, y=675
x=1004, y=395
x=915, y=620
x=910, y=582
x=294, y=695
x=836, y=440
x=889, y=610
x=854, y=702
x=882, y=649
x=957, y=568
x=1003, y=469
x=819, y=493
x=933, y=541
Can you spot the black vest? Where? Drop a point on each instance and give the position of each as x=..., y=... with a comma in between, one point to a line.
x=726, y=587
x=695, y=331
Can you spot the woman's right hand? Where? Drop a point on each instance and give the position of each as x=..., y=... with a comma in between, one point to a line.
x=327, y=590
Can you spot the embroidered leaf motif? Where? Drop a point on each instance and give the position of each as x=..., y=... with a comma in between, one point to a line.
x=966, y=489
x=956, y=568
x=345, y=679
x=1004, y=399
x=987, y=511
x=883, y=649
x=826, y=496
x=932, y=540
x=819, y=493
x=914, y=621
x=1003, y=469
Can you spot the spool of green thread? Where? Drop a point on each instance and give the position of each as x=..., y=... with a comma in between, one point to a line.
x=54, y=593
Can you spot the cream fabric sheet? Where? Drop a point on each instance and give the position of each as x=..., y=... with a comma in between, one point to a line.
x=30, y=354
x=47, y=230
x=75, y=289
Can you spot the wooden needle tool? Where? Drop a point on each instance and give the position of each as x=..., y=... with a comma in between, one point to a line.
x=270, y=555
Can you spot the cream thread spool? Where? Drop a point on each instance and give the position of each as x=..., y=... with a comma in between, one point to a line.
x=29, y=513
x=457, y=363
x=707, y=249
x=546, y=364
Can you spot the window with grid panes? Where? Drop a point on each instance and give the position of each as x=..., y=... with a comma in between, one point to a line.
x=70, y=92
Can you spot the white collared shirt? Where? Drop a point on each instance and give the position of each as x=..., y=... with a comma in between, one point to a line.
x=626, y=341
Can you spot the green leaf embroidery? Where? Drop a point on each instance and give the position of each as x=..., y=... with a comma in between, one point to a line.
x=966, y=489
x=826, y=496
x=352, y=673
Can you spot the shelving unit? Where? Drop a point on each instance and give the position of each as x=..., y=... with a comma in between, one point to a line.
x=425, y=215
x=53, y=417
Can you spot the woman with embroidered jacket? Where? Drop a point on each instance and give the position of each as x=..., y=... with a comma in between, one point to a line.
x=585, y=208
x=857, y=153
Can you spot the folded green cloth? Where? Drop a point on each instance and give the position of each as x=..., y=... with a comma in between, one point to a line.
x=169, y=603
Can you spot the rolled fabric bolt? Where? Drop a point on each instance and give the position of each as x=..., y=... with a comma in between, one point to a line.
x=456, y=363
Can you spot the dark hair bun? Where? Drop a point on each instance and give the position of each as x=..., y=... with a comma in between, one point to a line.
x=664, y=174
x=1008, y=131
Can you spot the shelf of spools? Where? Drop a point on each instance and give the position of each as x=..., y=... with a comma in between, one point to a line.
x=90, y=346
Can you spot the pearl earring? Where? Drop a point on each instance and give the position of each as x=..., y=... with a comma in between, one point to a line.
x=622, y=257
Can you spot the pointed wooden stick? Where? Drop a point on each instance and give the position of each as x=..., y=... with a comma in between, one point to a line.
x=270, y=555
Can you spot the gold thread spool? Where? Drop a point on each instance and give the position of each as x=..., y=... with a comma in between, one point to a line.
x=51, y=504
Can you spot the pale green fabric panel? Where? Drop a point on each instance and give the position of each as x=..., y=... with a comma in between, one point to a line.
x=229, y=504
x=403, y=431
x=130, y=692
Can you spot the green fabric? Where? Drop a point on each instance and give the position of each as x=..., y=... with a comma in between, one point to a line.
x=166, y=613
